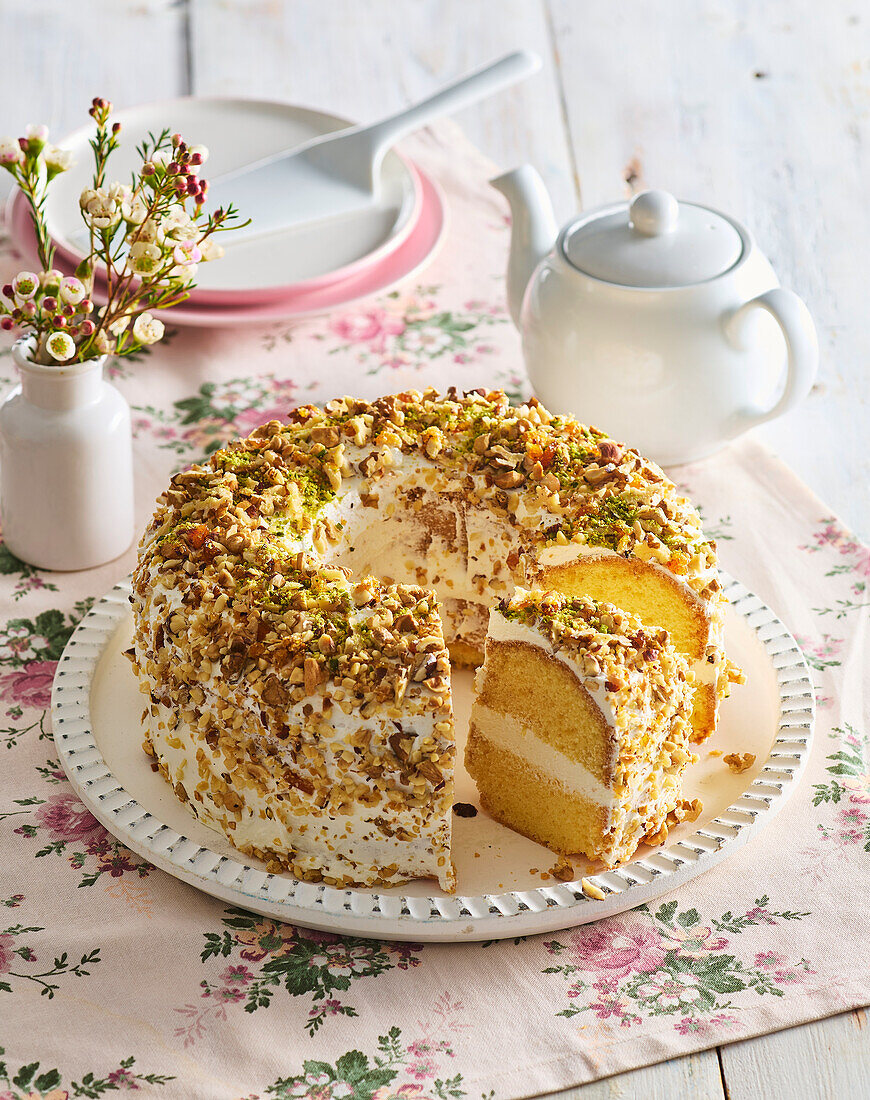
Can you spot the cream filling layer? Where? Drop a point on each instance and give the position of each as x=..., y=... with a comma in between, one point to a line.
x=509, y=733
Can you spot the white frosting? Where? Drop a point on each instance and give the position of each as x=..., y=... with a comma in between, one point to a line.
x=509, y=733
x=359, y=846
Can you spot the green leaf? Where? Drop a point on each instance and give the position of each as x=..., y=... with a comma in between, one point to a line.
x=689, y=918
x=47, y=1081
x=666, y=913
x=9, y=563
x=316, y=1068
x=25, y=1075
x=352, y=1066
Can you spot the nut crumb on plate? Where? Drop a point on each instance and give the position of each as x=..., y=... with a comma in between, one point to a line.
x=739, y=761
x=563, y=869
x=591, y=890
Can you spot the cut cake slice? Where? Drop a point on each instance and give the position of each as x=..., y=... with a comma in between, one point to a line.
x=579, y=732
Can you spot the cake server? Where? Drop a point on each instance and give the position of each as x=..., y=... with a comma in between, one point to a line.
x=337, y=174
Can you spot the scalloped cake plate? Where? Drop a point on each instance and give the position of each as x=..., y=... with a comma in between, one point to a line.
x=96, y=708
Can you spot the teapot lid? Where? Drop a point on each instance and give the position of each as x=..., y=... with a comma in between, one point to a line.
x=654, y=242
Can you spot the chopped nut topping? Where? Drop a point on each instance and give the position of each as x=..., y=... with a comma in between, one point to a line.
x=739, y=761
x=563, y=869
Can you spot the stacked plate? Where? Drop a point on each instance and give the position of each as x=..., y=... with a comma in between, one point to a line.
x=303, y=270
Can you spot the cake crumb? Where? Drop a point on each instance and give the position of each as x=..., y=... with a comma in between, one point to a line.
x=685, y=810
x=715, y=752
x=477, y=855
x=563, y=869
x=739, y=761
x=591, y=890
x=464, y=809
x=533, y=870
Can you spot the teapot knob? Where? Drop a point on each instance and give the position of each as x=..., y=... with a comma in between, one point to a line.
x=653, y=213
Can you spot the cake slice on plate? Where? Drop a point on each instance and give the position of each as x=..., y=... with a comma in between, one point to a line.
x=580, y=728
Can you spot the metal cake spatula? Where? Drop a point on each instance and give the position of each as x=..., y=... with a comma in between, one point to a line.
x=338, y=173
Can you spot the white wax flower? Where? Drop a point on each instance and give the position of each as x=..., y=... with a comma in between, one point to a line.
x=144, y=257
x=60, y=346
x=40, y=133
x=103, y=344
x=186, y=253
x=101, y=209
x=72, y=290
x=118, y=325
x=25, y=285
x=50, y=277
x=210, y=249
x=183, y=276
x=149, y=232
x=175, y=218
x=11, y=152
x=57, y=159
x=147, y=329
x=133, y=209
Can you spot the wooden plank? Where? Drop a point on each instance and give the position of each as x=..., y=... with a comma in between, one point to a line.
x=759, y=110
x=824, y=1058
x=364, y=60
x=63, y=54
x=694, y=1077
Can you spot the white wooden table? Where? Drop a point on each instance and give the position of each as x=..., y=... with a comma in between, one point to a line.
x=758, y=109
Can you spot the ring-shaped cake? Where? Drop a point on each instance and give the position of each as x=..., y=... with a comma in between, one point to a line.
x=298, y=598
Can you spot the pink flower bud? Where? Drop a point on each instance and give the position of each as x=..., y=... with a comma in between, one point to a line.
x=173, y=167
x=28, y=308
x=195, y=158
x=7, y=324
x=147, y=168
x=8, y=292
x=23, y=143
x=176, y=139
x=182, y=147
x=203, y=187
x=49, y=304
x=69, y=311
x=86, y=306
x=73, y=330
x=181, y=188
x=192, y=186
x=116, y=128
x=86, y=328
x=16, y=314
x=199, y=199
x=59, y=321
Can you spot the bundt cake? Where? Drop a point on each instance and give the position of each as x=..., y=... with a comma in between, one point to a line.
x=302, y=706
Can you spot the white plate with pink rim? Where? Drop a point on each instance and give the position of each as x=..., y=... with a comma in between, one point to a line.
x=256, y=269
x=413, y=252
x=504, y=889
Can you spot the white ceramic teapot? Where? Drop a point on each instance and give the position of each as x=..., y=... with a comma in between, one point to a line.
x=658, y=321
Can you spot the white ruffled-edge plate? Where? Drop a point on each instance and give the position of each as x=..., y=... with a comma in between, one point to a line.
x=95, y=712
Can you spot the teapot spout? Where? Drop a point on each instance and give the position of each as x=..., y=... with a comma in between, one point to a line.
x=533, y=233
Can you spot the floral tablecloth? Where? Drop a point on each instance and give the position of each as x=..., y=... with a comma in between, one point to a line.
x=116, y=976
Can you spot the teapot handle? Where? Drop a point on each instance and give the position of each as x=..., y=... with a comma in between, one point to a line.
x=802, y=345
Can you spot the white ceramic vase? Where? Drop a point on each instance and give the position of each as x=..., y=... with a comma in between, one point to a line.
x=66, y=465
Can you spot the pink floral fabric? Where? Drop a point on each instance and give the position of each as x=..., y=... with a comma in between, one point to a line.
x=115, y=976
